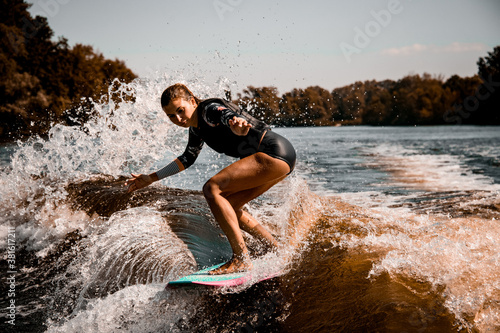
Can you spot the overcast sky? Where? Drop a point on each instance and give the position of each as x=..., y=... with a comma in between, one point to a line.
x=287, y=44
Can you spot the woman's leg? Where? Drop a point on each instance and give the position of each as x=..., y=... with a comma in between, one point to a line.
x=246, y=221
x=237, y=184
x=249, y=224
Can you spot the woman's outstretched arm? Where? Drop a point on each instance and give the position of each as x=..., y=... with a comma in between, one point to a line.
x=195, y=143
x=140, y=181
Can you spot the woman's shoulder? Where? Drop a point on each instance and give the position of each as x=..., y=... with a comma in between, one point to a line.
x=218, y=102
x=214, y=111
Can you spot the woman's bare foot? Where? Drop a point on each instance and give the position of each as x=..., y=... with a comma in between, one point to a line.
x=235, y=265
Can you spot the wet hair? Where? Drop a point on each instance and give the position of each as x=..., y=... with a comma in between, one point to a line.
x=177, y=90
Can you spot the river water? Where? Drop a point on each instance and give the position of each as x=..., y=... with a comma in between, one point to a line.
x=390, y=229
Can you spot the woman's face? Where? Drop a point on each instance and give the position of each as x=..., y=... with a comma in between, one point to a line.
x=180, y=112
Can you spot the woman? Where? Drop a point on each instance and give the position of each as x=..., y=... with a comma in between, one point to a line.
x=265, y=159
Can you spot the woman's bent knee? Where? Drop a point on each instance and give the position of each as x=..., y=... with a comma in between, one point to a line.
x=210, y=189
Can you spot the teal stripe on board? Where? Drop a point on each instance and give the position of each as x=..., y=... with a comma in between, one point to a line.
x=203, y=276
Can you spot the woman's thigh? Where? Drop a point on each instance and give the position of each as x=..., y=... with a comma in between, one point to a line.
x=250, y=177
x=239, y=199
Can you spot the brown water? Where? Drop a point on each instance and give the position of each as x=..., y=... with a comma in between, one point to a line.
x=334, y=253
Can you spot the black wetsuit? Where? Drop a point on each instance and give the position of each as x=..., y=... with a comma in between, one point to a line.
x=213, y=128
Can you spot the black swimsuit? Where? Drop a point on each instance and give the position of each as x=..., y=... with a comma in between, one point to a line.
x=278, y=147
x=213, y=128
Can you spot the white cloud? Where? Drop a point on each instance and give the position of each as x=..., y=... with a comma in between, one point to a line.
x=455, y=47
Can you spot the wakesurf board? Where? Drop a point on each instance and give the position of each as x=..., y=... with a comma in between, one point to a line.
x=203, y=278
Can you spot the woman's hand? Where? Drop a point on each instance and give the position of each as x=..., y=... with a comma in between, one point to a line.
x=239, y=126
x=138, y=181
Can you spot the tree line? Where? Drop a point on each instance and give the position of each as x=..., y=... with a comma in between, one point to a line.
x=44, y=81
x=412, y=100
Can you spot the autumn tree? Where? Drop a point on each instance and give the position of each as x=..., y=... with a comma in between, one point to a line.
x=43, y=81
x=262, y=103
x=310, y=106
x=378, y=102
x=488, y=92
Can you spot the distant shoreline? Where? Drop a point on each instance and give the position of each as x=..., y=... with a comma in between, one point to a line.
x=39, y=88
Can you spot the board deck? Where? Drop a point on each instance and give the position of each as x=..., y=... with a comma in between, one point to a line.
x=203, y=278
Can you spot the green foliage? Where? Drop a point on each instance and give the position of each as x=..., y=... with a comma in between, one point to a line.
x=45, y=81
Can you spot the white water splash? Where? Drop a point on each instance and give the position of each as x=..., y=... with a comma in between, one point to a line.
x=139, y=308
x=409, y=168
x=458, y=257
x=121, y=138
